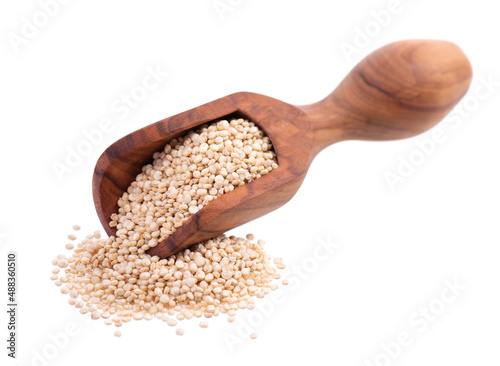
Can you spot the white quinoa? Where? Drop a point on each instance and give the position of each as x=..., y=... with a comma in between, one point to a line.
x=189, y=173
x=116, y=280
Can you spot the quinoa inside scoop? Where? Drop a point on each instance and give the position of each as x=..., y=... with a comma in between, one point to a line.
x=189, y=173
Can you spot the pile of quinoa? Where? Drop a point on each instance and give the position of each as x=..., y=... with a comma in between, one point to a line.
x=116, y=280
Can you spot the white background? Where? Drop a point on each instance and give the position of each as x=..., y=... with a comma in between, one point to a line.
x=397, y=247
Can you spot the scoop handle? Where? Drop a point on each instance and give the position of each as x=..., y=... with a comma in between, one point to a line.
x=398, y=91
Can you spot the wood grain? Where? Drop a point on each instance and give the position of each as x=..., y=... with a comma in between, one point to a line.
x=398, y=91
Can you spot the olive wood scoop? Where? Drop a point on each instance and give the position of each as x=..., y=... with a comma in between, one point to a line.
x=398, y=91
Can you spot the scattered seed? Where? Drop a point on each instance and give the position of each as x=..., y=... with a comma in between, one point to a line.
x=62, y=263
x=172, y=322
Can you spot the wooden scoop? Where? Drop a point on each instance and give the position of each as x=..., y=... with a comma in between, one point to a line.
x=398, y=91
